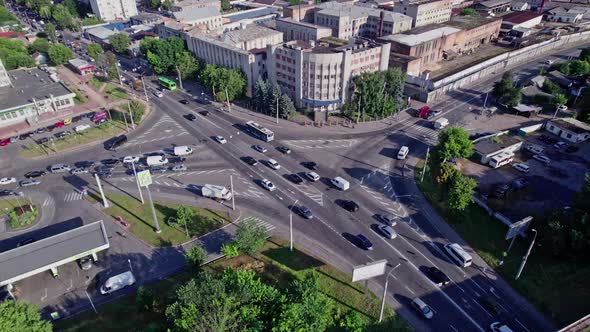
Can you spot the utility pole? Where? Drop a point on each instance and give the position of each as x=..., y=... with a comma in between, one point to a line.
x=158, y=230
x=227, y=98
x=179, y=78
x=485, y=101
x=130, y=114
x=137, y=181
x=277, y=110
x=358, y=117
x=526, y=256
x=144, y=89
x=385, y=292
x=425, y=163
x=119, y=73
x=578, y=94
x=231, y=186
x=104, y=199
x=291, y=225
x=556, y=110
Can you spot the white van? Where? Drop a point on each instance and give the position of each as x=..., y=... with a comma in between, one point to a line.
x=81, y=128
x=156, y=160
x=441, y=123
x=59, y=168
x=403, y=152
x=340, y=183
x=182, y=150
x=117, y=282
x=458, y=254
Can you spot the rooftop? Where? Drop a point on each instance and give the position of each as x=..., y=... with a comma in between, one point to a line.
x=79, y=63
x=195, y=14
x=188, y=3
x=489, y=145
x=251, y=32
x=250, y=13
x=493, y=3
x=340, y=9
x=29, y=84
x=572, y=124
x=147, y=17
x=101, y=32
x=416, y=37
x=520, y=17
x=469, y=22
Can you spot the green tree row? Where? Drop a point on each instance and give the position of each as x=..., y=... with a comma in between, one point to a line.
x=506, y=92
x=267, y=98
x=66, y=14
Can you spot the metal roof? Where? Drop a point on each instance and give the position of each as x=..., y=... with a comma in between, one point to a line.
x=39, y=256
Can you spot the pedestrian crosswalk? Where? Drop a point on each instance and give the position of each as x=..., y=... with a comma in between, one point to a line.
x=265, y=224
x=322, y=144
x=48, y=201
x=73, y=196
x=247, y=189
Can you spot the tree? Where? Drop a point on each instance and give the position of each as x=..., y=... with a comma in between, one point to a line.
x=513, y=97
x=286, y=107
x=582, y=199
x=352, y=322
x=461, y=192
x=120, y=42
x=59, y=54
x=144, y=298
x=19, y=316
x=260, y=94
x=62, y=16
x=505, y=91
x=110, y=63
x=162, y=54
x=579, y=68
x=155, y=4
x=560, y=99
x=13, y=54
x=188, y=65
x=225, y=6
x=45, y=11
x=585, y=54
x=184, y=216
x=227, y=83
x=51, y=32
x=94, y=51
x=395, y=80
x=468, y=12
x=72, y=7
x=39, y=45
x=196, y=256
x=454, y=142
x=250, y=236
x=550, y=87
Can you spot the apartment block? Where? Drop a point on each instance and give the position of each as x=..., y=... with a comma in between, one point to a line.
x=425, y=12
x=296, y=30
x=111, y=10
x=205, y=16
x=191, y=4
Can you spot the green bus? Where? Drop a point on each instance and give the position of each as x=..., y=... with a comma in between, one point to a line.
x=168, y=84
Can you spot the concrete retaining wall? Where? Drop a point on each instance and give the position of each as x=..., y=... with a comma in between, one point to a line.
x=435, y=89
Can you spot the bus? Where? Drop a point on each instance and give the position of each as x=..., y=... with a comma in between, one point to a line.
x=501, y=159
x=259, y=131
x=168, y=84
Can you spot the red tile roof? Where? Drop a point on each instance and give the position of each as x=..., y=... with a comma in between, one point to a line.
x=520, y=17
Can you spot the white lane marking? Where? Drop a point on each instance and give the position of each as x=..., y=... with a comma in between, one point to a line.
x=453, y=328
x=521, y=324
x=409, y=290
x=482, y=308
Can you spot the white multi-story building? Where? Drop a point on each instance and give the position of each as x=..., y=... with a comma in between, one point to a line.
x=110, y=10
x=425, y=12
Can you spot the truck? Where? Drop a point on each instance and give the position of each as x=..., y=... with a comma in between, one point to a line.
x=340, y=183
x=156, y=160
x=440, y=123
x=182, y=150
x=219, y=193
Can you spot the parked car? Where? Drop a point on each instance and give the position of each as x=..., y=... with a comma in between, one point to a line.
x=259, y=148
x=303, y=211
x=85, y=263
x=44, y=140
x=158, y=169
x=111, y=161
x=4, y=141
x=80, y=170
x=542, y=158
x=34, y=174
x=273, y=164
x=268, y=185
x=350, y=206
x=501, y=191
x=562, y=108
x=176, y=160
x=250, y=161
x=560, y=145
x=5, y=181
x=104, y=174
x=519, y=183
x=29, y=182
x=130, y=159
x=295, y=178
x=220, y=139
x=437, y=276
x=311, y=165
x=85, y=164
x=522, y=167
x=284, y=149
x=63, y=134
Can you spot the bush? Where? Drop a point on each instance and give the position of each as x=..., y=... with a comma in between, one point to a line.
x=22, y=218
x=230, y=250
x=144, y=299
x=137, y=110
x=196, y=256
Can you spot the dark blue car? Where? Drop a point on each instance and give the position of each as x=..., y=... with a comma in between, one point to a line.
x=363, y=242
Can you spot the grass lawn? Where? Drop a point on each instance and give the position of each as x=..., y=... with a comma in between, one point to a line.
x=142, y=224
x=97, y=133
x=559, y=289
x=274, y=264
x=96, y=83
x=115, y=92
x=7, y=205
x=79, y=98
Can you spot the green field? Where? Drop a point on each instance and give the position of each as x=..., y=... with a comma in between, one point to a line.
x=142, y=224
x=114, y=92
x=557, y=288
x=274, y=264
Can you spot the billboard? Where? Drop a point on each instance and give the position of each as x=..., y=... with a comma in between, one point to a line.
x=144, y=178
x=518, y=228
x=369, y=270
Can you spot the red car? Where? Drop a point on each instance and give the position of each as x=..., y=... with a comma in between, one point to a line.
x=4, y=141
x=59, y=124
x=423, y=112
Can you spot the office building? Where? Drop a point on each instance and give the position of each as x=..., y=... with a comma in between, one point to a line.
x=425, y=12
x=111, y=10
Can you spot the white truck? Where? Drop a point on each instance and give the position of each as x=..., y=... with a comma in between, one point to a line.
x=182, y=150
x=219, y=193
x=440, y=123
x=340, y=183
x=156, y=160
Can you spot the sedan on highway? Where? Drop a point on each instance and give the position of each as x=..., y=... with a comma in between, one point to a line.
x=190, y=117
x=437, y=276
x=259, y=148
x=542, y=158
x=8, y=193
x=111, y=161
x=295, y=178
x=29, y=182
x=178, y=168
x=266, y=184
x=176, y=160
x=220, y=139
x=387, y=231
x=303, y=211
x=34, y=174
x=311, y=165
x=184, y=102
x=312, y=176
x=284, y=149
x=130, y=159
x=387, y=219
x=250, y=161
x=85, y=164
x=4, y=181
x=350, y=206
x=362, y=242
x=158, y=169
x=273, y=164
x=104, y=174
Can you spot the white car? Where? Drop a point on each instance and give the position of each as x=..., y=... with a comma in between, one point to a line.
x=130, y=159
x=30, y=182
x=312, y=176
x=522, y=167
x=560, y=145
x=266, y=184
x=4, y=181
x=562, y=108
x=549, y=62
x=158, y=94
x=80, y=170
x=178, y=168
x=387, y=231
x=81, y=128
x=220, y=139
x=259, y=148
x=542, y=158
x=273, y=164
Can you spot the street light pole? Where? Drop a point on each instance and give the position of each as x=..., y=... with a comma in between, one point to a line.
x=227, y=98
x=526, y=256
x=291, y=225
x=137, y=181
x=144, y=89
x=277, y=110
x=158, y=230
x=425, y=163
x=104, y=199
x=385, y=292
x=179, y=78
x=231, y=186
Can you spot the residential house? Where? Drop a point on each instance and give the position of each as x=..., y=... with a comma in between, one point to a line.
x=569, y=129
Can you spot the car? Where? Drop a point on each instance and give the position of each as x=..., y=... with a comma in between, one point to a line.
x=111, y=161
x=8, y=193
x=85, y=164
x=303, y=211
x=29, y=182
x=350, y=206
x=60, y=124
x=63, y=134
x=284, y=149
x=130, y=159
x=104, y=174
x=560, y=145
x=490, y=304
x=44, y=140
x=549, y=62
x=387, y=231
x=81, y=128
x=155, y=154
x=34, y=174
x=85, y=263
x=202, y=101
x=312, y=176
x=266, y=184
x=178, y=168
x=542, y=158
x=295, y=178
x=25, y=242
x=220, y=139
x=104, y=168
x=310, y=165
x=259, y=148
x=423, y=309
x=5, y=181
x=250, y=161
x=4, y=141
x=176, y=160
x=501, y=191
x=562, y=108
x=521, y=167
x=184, y=102
x=100, y=121
x=551, y=140
x=572, y=149
x=13, y=139
x=499, y=327
x=387, y=219
x=40, y=131
x=437, y=276
x=519, y=183
x=429, y=116
x=80, y=170
x=190, y=117
x=362, y=242
x=158, y=94
x=158, y=169
x=273, y=164
x=24, y=136
x=204, y=113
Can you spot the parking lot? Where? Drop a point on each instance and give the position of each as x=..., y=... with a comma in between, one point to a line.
x=545, y=186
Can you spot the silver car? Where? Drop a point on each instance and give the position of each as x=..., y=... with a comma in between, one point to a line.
x=29, y=182
x=178, y=168
x=80, y=170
